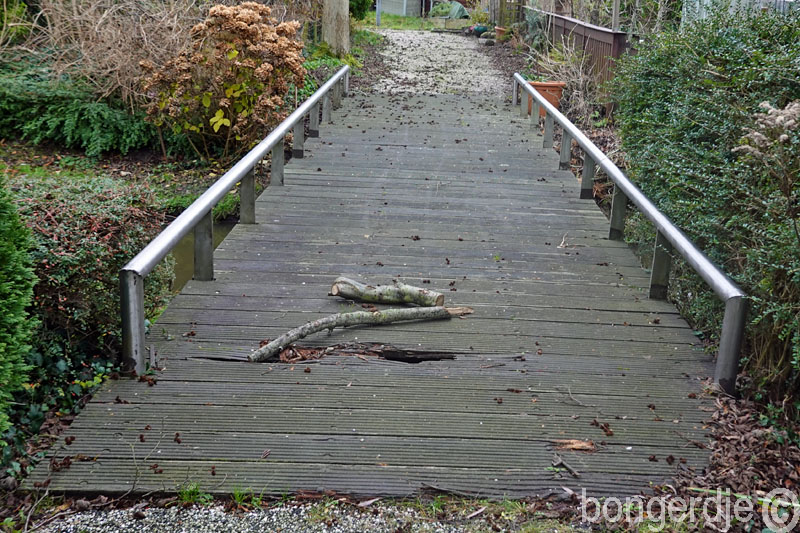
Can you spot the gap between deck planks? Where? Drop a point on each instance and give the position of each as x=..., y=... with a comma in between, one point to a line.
x=445, y=189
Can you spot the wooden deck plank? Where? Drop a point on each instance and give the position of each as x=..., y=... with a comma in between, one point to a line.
x=561, y=336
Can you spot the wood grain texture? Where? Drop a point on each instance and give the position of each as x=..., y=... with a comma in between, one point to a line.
x=453, y=194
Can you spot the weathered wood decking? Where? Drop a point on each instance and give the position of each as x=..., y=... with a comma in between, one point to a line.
x=563, y=333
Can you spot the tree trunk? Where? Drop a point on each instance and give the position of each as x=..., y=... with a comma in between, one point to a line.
x=398, y=293
x=336, y=26
x=341, y=320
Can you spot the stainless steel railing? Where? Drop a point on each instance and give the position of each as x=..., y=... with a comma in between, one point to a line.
x=198, y=216
x=669, y=237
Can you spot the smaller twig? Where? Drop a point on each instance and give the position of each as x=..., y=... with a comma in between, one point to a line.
x=558, y=461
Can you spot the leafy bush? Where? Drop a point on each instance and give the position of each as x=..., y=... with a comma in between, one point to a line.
x=686, y=101
x=39, y=110
x=85, y=229
x=227, y=92
x=16, y=291
x=360, y=8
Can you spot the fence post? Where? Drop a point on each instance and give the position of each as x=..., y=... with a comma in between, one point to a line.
x=204, y=248
x=659, y=273
x=131, y=288
x=247, y=198
x=313, y=121
x=298, y=139
x=730, y=345
x=276, y=169
x=547, y=142
x=523, y=106
x=587, y=178
x=346, y=84
x=619, y=203
x=565, y=155
x=337, y=94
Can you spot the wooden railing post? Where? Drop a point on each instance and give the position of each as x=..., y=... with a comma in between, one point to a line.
x=523, y=105
x=247, y=198
x=619, y=204
x=659, y=273
x=587, y=177
x=298, y=139
x=204, y=248
x=131, y=287
x=326, y=109
x=276, y=169
x=547, y=142
x=565, y=155
x=514, y=93
x=313, y=121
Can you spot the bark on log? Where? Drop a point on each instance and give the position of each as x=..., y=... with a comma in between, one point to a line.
x=398, y=293
x=340, y=320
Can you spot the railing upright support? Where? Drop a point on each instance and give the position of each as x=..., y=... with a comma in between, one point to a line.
x=514, y=93
x=276, y=169
x=326, y=109
x=131, y=287
x=346, y=82
x=523, y=108
x=565, y=155
x=547, y=142
x=247, y=198
x=337, y=95
x=313, y=121
x=730, y=344
x=299, y=139
x=204, y=248
x=587, y=177
x=619, y=204
x=659, y=273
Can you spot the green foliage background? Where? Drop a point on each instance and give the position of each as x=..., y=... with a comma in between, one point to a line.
x=686, y=100
x=16, y=292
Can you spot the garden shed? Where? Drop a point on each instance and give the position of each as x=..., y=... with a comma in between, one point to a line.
x=406, y=8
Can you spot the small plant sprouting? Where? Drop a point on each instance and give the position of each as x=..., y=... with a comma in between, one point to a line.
x=191, y=493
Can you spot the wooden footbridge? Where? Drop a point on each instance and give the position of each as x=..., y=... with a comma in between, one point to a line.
x=565, y=360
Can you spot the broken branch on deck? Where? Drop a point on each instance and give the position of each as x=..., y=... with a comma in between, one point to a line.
x=397, y=293
x=340, y=320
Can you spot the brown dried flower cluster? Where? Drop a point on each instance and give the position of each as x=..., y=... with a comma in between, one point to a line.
x=228, y=90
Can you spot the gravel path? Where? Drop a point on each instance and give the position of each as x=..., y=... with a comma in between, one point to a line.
x=423, y=62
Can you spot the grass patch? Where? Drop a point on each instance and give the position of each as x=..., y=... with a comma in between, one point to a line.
x=396, y=22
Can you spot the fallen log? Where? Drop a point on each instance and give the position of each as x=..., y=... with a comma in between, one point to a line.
x=397, y=293
x=340, y=320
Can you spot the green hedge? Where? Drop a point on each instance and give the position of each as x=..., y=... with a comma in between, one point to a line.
x=16, y=291
x=85, y=229
x=35, y=108
x=687, y=100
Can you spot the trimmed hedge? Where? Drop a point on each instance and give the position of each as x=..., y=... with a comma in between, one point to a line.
x=16, y=291
x=687, y=100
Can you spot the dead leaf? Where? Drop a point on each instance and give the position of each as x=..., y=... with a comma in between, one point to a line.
x=575, y=445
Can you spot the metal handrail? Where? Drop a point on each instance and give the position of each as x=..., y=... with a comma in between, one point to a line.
x=198, y=216
x=668, y=236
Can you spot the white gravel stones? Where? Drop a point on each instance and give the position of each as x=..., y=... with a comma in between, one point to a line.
x=424, y=62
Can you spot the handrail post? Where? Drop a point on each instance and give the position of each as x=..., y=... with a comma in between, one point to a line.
x=547, y=142
x=523, y=107
x=337, y=95
x=313, y=121
x=619, y=204
x=587, y=177
x=730, y=345
x=131, y=286
x=204, y=248
x=659, y=273
x=514, y=93
x=535, y=118
x=247, y=198
x=565, y=155
x=326, y=108
x=276, y=169
x=299, y=139
x=347, y=84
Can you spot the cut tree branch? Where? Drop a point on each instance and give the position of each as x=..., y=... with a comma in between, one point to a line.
x=398, y=293
x=340, y=320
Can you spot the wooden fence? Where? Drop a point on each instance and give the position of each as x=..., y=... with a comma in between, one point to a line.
x=602, y=45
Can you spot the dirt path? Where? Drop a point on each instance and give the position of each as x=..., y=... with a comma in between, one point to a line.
x=423, y=62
